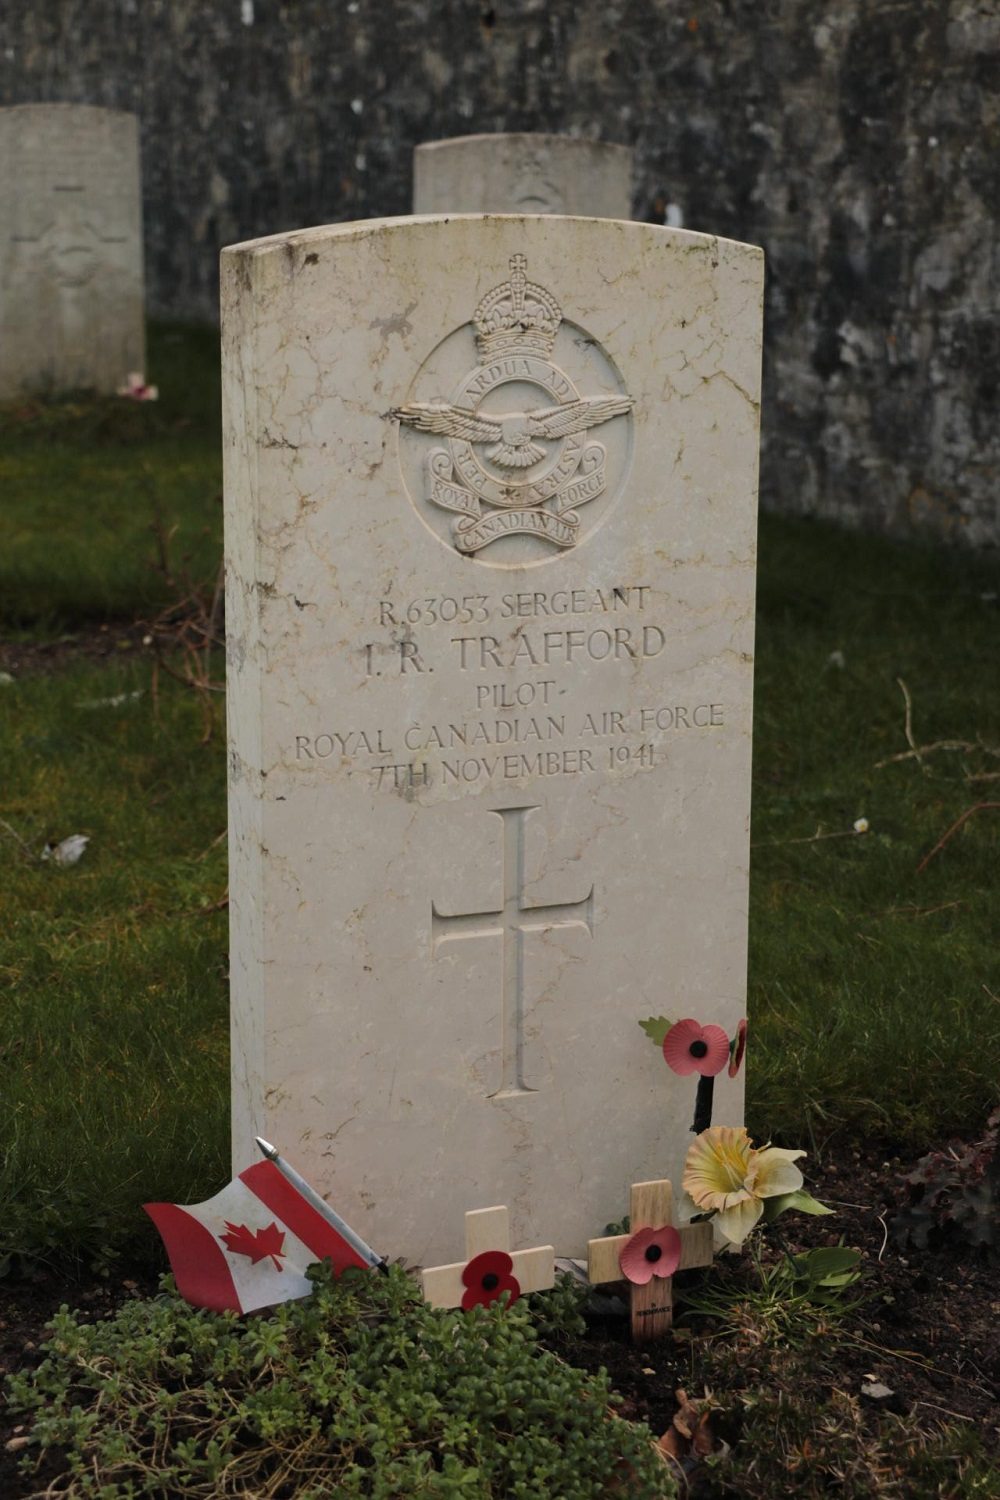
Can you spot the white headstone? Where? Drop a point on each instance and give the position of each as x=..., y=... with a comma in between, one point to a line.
x=523, y=174
x=71, y=290
x=490, y=490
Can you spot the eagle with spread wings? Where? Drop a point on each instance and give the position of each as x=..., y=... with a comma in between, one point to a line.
x=512, y=433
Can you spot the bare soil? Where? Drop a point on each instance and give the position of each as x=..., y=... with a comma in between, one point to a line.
x=927, y=1329
x=924, y=1337
x=92, y=644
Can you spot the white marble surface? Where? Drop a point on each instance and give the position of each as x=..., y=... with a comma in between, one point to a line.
x=467, y=683
x=523, y=173
x=71, y=282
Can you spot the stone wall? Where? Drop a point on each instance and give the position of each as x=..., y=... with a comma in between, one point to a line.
x=858, y=141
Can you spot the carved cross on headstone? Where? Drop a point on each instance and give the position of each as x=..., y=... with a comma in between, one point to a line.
x=511, y=921
x=650, y=1208
x=489, y=1264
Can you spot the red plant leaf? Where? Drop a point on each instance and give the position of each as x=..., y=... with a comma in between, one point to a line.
x=257, y=1244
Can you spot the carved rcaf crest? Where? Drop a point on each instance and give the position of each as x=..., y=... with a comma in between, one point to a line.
x=518, y=458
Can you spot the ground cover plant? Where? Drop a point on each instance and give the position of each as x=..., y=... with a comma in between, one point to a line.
x=359, y=1390
x=874, y=1006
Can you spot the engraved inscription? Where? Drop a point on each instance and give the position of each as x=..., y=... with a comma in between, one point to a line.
x=518, y=460
x=511, y=921
x=479, y=608
x=69, y=242
x=511, y=719
x=535, y=191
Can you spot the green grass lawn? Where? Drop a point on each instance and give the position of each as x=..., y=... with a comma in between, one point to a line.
x=874, y=988
x=114, y=1035
x=874, y=991
x=92, y=489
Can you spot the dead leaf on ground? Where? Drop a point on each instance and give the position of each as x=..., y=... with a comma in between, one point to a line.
x=690, y=1433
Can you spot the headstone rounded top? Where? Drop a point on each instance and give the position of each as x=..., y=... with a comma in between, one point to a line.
x=61, y=111
x=490, y=524
x=71, y=282
x=523, y=173
x=539, y=138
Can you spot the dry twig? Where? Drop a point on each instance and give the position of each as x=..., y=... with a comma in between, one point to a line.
x=919, y=911
x=978, y=807
x=192, y=627
x=919, y=751
x=18, y=839
x=908, y=723
x=205, y=911
x=814, y=838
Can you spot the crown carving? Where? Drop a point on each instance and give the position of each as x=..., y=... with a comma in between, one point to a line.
x=519, y=314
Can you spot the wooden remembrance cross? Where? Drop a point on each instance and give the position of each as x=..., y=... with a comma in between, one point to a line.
x=488, y=1229
x=650, y=1207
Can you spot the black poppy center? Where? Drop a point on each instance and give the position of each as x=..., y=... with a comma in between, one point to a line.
x=698, y=1048
x=490, y=1281
x=653, y=1253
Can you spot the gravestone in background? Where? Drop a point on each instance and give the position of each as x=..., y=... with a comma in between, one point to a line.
x=490, y=507
x=523, y=174
x=71, y=292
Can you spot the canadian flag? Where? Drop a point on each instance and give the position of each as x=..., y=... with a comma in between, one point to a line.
x=249, y=1246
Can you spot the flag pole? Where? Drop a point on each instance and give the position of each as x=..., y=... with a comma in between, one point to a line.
x=368, y=1255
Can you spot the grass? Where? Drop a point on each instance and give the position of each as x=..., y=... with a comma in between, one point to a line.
x=873, y=988
x=114, y=1032
x=873, y=985
x=91, y=487
x=874, y=997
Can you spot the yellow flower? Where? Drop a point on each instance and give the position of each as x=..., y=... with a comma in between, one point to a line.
x=724, y=1174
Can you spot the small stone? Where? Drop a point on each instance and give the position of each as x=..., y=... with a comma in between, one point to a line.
x=876, y=1391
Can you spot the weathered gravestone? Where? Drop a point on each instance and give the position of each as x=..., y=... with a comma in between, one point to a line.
x=491, y=517
x=71, y=289
x=523, y=174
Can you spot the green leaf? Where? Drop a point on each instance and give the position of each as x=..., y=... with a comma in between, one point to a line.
x=807, y=1204
x=833, y=1265
x=801, y=1200
x=656, y=1028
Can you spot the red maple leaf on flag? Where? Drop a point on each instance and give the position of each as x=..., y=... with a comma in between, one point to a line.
x=257, y=1244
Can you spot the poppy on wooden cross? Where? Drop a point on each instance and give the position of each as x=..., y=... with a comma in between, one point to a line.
x=490, y=1267
x=648, y=1256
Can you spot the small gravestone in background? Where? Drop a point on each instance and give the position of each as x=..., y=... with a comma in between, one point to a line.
x=71, y=286
x=523, y=174
x=490, y=509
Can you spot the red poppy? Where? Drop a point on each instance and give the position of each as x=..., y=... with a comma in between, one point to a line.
x=737, y=1048
x=487, y=1276
x=649, y=1253
x=689, y=1047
